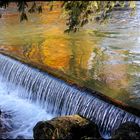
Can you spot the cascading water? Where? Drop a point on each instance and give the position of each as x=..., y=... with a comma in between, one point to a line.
x=33, y=94
x=21, y=116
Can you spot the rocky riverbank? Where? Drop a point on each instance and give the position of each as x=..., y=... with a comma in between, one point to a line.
x=77, y=127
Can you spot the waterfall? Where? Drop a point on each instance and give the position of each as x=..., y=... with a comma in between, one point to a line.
x=59, y=98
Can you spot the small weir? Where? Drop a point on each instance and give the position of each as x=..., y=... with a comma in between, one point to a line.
x=31, y=95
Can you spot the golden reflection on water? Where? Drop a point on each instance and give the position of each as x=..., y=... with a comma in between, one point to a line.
x=41, y=41
x=54, y=52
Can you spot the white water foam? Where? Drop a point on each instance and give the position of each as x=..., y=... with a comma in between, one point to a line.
x=24, y=115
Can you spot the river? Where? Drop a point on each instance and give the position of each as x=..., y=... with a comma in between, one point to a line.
x=102, y=57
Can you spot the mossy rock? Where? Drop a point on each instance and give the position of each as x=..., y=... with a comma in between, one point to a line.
x=67, y=127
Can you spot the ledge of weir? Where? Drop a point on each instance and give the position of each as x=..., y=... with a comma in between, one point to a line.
x=97, y=94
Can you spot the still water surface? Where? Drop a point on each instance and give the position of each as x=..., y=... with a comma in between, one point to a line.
x=103, y=57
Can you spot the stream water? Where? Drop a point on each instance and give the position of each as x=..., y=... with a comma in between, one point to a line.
x=29, y=95
x=21, y=115
x=103, y=57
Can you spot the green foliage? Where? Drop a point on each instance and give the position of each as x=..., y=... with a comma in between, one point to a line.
x=78, y=13
x=4, y=3
x=23, y=16
x=21, y=8
x=35, y=8
x=81, y=12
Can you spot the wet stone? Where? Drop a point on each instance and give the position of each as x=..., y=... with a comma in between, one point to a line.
x=128, y=130
x=5, y=126
x=67, y=127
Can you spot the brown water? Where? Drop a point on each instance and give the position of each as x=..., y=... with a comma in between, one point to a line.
x=103, y=57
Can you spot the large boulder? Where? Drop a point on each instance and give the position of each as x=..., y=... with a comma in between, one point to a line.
x=128, y=130
x=67, y=127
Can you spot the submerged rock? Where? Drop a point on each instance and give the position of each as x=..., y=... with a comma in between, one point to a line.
x=128, y=130
x=67, y=127
x=5, y=127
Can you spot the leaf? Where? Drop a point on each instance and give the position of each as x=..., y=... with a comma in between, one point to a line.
x=112, y=4
x=95, y=4
x=132, y=4
x=23, y=16
x=51, y=7
x=122, y=4
x=33, y=8
x=39, y=9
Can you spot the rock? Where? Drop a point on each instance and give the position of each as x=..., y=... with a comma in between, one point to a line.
x=0, y=119
x=67, y=127
x=4, y=125
x=128, y=130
